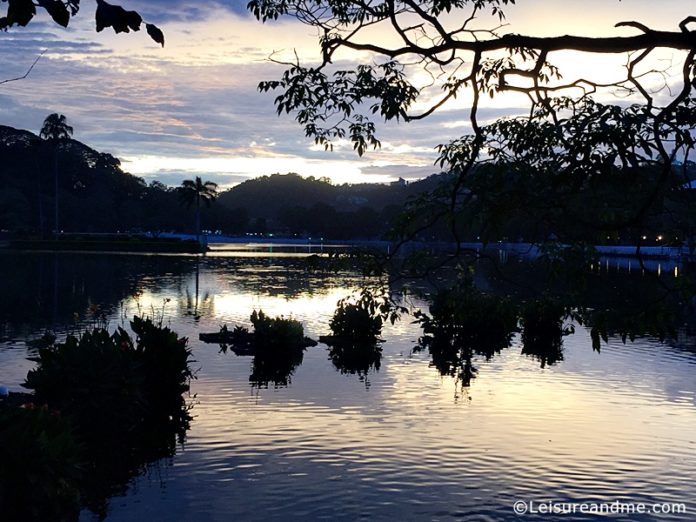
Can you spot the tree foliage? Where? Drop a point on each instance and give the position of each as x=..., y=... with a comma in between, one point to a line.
x=21, y=12
x=192, y=192
x=571, y=171
x=95, y=193
x=567, y=140
x=55, y=127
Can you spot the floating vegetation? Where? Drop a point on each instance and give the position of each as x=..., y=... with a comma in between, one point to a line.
x=270, y=334
x=356, y=326
x=277, y=344
x=358, y=320
x=104, y=405
x=279, y=349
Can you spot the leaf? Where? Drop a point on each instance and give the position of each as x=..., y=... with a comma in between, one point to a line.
x=20, y=12
x=155, y=33
x=57, y=10
x=117, y=17
x=74, y=6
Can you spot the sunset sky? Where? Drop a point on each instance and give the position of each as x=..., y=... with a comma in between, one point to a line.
x=193, y=108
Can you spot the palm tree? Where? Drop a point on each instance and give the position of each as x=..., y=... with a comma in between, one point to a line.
x=191, y=192
x=54, y=130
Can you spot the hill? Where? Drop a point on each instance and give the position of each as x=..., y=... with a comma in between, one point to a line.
x=291, y=204
x=93, y=192
x=96, y=195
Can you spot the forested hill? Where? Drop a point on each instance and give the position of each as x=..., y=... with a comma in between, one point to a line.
x=309, y=206
x=273, y=194
x=96, y=195
x=93, y=192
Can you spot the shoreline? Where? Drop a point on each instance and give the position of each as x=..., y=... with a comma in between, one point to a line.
x=186, y=244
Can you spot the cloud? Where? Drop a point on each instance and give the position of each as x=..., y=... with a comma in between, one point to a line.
x=165, y=11
x=194, y=107
x=175, y=178
x=210, y=118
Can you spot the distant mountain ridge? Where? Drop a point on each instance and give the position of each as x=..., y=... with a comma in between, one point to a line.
x=265, y=196
x=96, y=195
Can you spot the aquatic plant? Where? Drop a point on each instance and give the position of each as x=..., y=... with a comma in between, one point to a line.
x=41, y=465
x=279, y=349
x=84, y=374
x=277, y=333
x=123, y=398
x=356, y=321
x=356, y=326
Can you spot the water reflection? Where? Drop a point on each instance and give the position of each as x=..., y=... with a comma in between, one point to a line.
x=464, y=322
x=117, y=455
x=632, y=265
x=193, y=303
x=309, y=443
x=543, y=330
x=274, y=368
x=356, y=358
x=51, y=290
x=48, y=290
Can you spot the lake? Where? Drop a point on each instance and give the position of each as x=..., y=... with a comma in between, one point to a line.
x=400, y=442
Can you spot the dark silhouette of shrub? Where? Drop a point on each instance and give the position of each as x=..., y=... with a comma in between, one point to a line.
x=123, y=398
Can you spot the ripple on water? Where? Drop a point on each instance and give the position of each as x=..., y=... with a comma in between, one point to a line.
x=405, y=442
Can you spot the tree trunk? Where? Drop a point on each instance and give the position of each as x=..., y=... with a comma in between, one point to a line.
x=198, y=219
x=40, y=198
x=55, y=175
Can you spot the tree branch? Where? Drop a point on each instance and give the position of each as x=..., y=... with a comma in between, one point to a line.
x=28, y=70
x=602, y=45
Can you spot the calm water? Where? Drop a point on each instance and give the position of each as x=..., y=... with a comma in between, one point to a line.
x=402, y=442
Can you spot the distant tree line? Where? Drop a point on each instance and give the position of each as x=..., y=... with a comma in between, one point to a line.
x=292, y=205
x=511, y=202
x=96, y=195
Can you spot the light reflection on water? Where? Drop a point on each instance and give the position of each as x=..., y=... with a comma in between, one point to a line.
x=404, y=443
x=412, y=446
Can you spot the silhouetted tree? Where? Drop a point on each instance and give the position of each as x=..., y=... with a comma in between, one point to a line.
x=55, y=129
x=192, y=192
x=548, y=163
x=21, y=12
x=592, y=138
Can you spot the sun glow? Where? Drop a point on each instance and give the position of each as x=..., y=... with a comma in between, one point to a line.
x=339, y=171
x=192, y=107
